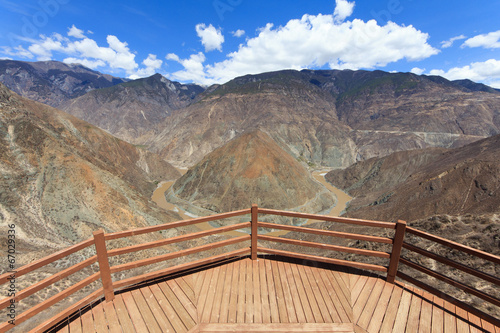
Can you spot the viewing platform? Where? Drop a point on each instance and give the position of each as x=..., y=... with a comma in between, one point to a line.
x=255, y=288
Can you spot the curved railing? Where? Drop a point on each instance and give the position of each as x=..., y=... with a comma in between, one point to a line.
x=255, y=232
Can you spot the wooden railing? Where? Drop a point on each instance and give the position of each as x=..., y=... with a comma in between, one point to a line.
x=257, y=230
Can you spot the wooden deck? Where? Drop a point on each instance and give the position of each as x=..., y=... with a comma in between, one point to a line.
x=271, y=295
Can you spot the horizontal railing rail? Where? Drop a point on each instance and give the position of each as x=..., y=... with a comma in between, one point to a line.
x=488, y=257
x=253, y=235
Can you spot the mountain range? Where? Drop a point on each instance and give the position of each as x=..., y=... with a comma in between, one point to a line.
x=394, y=138
x=63, y=178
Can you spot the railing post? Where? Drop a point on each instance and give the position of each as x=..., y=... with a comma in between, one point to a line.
x=396, y=251
x=253, y=244
x=102, y=258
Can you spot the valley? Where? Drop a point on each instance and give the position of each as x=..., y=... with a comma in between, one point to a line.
x=125, y=154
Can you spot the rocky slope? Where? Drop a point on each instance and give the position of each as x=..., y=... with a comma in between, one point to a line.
x=63, y=178
x=132, y=110
x=249, y=169
x=52, y=82
x=419, y=184
x=333, y=118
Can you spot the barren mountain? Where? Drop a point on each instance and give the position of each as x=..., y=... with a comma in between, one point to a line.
x=419, y=184
x=63, y=178
x=52, y=82
x=333, y=118
x=132, y=110
x=249, y=169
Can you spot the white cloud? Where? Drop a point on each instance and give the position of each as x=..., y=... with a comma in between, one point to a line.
x=93, y=64
x=343, y=10
x=75, y=32
x=316, y=41
x=193, y=69
x=448, y=43
x=211, y=38
x=418, y=71
x=487, y=72
x=487, y=41
x=115, y=56
x=238, y=33
x=18, y=51
x=152, y=65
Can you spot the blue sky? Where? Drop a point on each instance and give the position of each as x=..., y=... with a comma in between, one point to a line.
x=213, y=41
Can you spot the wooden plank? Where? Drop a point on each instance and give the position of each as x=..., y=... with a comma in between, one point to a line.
x=4, y=278
x=371, y=303
x=178, y=254
x=489, y=327
x=425, y=324
x=249, y=312
x=217, y=302
x=455, y=245
x=273, y=305
x=233, y=299
x=254, y=211
x=437, y=315
x=240, y=308
x=198, y=283
x=133, y=311
x=325, y=247
x=224, y=310
x=178, y=224
x=100, y=324
x=47, y=282
x=360, y=303
x=171, y=313
x=294, y=293
x=87, y=322
x=318, y=318
x=206, y=309
x=415, y=308
x=257, y=300
x=454, y=264
x=324, y=259
x=316, y=292
x=186, y=288
x=342, y=305
x=202, y=299
x=304, y=301
x=399, y=236
x=123, y=314
x=450, y=320
x=183, y=307
x=280, y=298
x=403, y=311
x=381, y=308
x=104, y=270
x=376, y=224
x=112, y=317
x=264, y=292
x=475, y=326
x=156, y=310
x=176, y=239
x=76, y=325
x=392, y=309
x=344, y=289
x=462, y=317
x=146, y=312
x=330, y=233
x=287, y=293
x=249, y=328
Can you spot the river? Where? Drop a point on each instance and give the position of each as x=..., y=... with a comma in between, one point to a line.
x=342, y=201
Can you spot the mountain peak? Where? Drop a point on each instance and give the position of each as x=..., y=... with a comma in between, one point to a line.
x=251, y=168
